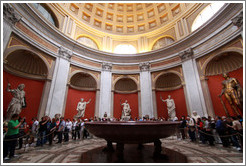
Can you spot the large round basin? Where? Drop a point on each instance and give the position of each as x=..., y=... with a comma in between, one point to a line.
x=132, y=132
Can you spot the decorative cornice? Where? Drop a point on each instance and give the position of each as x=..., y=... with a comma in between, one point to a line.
x=186, y=55
x=106, y=66
x=145, y=66
x=65, y=53
x=238, y=20
x=10, y=14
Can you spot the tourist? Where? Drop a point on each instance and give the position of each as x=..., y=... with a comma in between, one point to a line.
x=50, y=130
x=222, y=130
x=61, y=129
x=191, y=126
x=209, y=131
x=67, y=129
x=22, y=133
x=42, y=131
x=74, y=123
x=182, y=127
x=236, y=131
x=11, y=137
x=201, y=129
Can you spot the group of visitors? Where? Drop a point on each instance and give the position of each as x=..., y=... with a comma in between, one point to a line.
x=225, y=130
x=17, y=132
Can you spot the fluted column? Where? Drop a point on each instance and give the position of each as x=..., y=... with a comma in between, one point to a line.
x=56, y=100
x=194, y=93
x=238, y=21
x=105, y=90
x=146, y=90
x=11, y=17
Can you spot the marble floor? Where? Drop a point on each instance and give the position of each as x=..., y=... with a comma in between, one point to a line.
x=70, y=152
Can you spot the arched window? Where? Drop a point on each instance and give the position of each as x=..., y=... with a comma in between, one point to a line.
x=125, y=49
x=88, y=42
x=206, y=14
x=162, y=42
x=45, y=12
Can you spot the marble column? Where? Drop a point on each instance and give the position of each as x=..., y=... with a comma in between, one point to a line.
x=105, y=90
x=97, y=103
x=195, y=96
x=56, y=100
x=238, y=21
x=146, y=90
x=11, y=17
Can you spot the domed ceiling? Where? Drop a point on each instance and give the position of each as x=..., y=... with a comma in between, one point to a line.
x=126, y=18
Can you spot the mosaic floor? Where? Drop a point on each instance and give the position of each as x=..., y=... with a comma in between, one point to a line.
x=70, y=152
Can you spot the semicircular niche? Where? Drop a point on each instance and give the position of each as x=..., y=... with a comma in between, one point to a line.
x=125, y=85
x=224, y=63
x=83, y=81
x=168, y=81
x=27, y=63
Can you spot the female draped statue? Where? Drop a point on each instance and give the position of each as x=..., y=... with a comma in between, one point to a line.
x=126, y=112
x=170, y=107
x=81, y=108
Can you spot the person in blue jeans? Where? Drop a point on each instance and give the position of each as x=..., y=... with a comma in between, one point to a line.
x=42, y=131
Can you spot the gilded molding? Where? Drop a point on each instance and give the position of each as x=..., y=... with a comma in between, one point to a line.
x=10, y=14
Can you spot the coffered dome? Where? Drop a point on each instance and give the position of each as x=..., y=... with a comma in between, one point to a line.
x=126, y=18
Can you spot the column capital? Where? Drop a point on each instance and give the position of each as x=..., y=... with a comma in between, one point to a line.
x=65, y=53
x=238, y=20
x=10, y=14
x=144, y=66
x=106, y=66
x=186, y=54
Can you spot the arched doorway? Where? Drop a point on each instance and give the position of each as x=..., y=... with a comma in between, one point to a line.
x=23, y=66
x=170, y=84
x=125, y=89
x=82, y=85
x=226, y=62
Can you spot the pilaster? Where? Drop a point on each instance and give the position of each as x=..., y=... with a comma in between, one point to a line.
x=105, y=90
x=146, y=90
x=194, y=93
x=57, y=96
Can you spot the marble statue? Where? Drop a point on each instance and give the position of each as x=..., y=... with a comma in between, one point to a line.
x=233, y=92
x=126, y=112
x=170, y=107
x=18, y=101
x=81, y=108
x=195, y=115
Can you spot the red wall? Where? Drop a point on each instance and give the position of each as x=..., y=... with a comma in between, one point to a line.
x=215, y=86
x=33, y=89
x=132, y=99
x=73, y=97
x=179, y=99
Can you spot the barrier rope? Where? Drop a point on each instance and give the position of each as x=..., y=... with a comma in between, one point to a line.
x=216, y=135
x=37, y=136
x=220, y=135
